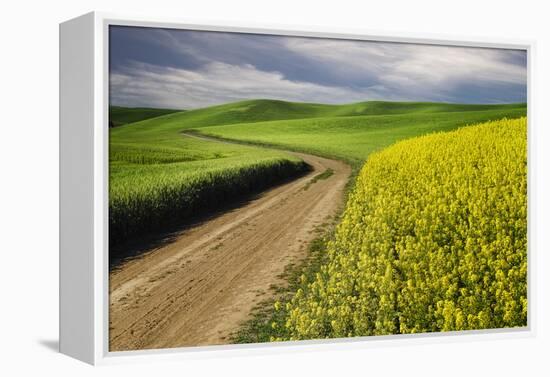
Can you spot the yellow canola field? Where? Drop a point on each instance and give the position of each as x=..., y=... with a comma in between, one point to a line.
x=434, y=238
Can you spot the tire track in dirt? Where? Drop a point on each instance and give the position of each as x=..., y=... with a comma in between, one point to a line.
x=199, y=288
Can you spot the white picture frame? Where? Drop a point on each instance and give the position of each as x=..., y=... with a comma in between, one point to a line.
x=84, y=266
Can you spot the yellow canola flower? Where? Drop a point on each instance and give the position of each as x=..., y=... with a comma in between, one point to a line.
x=433, y=238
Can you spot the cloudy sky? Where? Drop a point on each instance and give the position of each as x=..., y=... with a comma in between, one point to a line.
x=183, y=69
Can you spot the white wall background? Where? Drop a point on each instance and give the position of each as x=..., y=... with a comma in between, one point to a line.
x=29, y=184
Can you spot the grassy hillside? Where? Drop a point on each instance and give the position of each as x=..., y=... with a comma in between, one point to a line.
x=123, y=115
x=163, y=182
x=158, y=176
x=253, y=111
x=434, y=238
x=353, y=138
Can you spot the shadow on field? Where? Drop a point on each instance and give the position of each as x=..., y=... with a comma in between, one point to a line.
x=118, y=254
x=138, y=246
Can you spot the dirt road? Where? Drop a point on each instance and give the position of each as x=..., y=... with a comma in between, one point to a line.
x=199, y=288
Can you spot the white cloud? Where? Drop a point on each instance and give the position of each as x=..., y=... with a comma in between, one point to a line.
x=399, y=64
x=358, y=71
x=215, y=83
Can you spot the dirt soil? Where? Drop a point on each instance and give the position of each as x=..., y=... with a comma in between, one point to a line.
x=199, y=288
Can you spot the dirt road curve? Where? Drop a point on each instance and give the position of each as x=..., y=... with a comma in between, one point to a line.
x=199, y=288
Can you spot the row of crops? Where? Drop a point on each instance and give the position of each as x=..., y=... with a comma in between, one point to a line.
x=156, y=186
x=433, y=238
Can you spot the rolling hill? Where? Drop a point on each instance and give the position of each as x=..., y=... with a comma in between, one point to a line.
x=348, y=132
x=252, y=111
x=153, y=166
x=123, y=115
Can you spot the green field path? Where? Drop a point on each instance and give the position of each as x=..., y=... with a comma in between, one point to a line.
x=157, y=175
x=354, y=137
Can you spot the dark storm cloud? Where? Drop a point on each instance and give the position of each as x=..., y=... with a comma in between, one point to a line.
x=148, y=45
x=190, y=49
x=189, y=69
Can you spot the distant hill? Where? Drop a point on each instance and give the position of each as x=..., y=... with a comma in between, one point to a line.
x=158, y=175
x=262, y=110
x=122, y=115
x=349, y=132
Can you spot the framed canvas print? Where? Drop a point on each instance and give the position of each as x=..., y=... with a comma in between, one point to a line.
x=234, y=189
